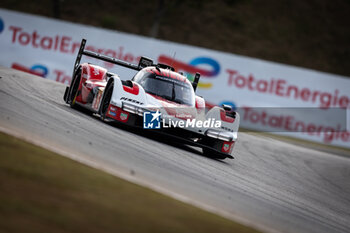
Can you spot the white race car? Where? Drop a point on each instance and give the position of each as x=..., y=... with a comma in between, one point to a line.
x=157, y=98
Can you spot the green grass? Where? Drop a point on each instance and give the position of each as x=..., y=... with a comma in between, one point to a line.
x=41, y=191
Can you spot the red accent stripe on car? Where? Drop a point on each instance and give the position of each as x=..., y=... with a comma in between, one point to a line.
x=132, y=90
x=226, y=118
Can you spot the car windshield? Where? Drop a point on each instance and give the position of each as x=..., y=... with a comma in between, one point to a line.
x=165, y=87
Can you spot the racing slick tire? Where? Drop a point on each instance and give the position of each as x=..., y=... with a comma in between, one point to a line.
x=106, y=99
x=211, y=153
x=213, y=149
x=74, y=88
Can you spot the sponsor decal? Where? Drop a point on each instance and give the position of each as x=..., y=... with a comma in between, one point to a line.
x=111, y=113
x=131, y=100
x=39, y=39
x=56, y=43
x=123, y=116
x=226, y=129
x=151, y=120
x=281, y=120
x=282, y=88
x=193, y=67
x=227, y=147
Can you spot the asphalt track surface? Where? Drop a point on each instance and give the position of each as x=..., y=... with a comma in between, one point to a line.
x=272, y=185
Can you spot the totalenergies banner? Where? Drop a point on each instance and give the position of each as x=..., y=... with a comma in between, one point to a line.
x=266, y=93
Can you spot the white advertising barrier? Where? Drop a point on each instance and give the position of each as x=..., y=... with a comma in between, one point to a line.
x=270, y=96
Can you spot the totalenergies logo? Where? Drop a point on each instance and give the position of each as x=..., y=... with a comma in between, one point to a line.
x=195, y=65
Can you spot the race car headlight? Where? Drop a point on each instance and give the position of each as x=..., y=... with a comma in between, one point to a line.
x=140, y=111
x=225, y=136
x=133, y=109
x=129, y=108
x=212, y=133
x=221, y=135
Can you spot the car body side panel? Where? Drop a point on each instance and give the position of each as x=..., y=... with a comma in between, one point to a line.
x=91, y=76
x=200, y=104
x=134, y=95
x=228, y=123
x=93, y=72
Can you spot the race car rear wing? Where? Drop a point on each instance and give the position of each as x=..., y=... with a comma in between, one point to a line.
x=144, y=61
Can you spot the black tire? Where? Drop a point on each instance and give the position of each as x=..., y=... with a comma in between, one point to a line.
x=213, y=154
x=106, y=99
x=74, y=88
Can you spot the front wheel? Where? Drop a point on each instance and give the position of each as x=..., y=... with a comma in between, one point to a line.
x=213, y=154
x=106, y=99
x=217, y=149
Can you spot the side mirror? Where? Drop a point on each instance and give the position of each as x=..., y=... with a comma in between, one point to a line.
x=229, y=111
x=227, y=108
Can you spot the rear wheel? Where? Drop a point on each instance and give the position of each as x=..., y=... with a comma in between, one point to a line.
x=74, y=91
x=106, y=99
